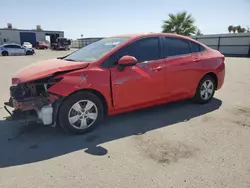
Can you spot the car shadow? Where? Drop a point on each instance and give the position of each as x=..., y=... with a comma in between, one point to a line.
x=34, y=143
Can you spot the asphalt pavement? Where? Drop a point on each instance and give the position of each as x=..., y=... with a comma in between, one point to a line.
x=174, y=145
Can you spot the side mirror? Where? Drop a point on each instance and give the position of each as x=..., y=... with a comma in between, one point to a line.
x=127, y=61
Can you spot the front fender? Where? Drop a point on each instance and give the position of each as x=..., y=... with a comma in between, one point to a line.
x=95, y=79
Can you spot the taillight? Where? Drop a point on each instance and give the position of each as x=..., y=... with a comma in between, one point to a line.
x=223, y=58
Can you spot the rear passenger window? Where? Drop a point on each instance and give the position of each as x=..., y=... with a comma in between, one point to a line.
x=15, y=46
x=196, y=47
x=12, y=46
x=146, y=49
x=175, y=47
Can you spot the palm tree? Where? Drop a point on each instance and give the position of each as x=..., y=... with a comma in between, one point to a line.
x=181, y=23
x=230, y=28
x=238, y=28
x=199, y=32
x=243, y=30
x=234, y=29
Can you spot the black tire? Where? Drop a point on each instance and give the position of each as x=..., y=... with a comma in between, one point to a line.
x=65, y=108
x=5, y=53
x=29, y=53
x=201, y=99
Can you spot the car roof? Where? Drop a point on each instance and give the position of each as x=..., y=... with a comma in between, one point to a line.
x=141, y=35
x=11, y=44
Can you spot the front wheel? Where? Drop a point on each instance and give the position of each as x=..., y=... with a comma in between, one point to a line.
x=80, y=113
x=205, y=90
x=29, y=53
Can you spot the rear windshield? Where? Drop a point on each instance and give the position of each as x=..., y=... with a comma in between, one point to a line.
x=96, y=50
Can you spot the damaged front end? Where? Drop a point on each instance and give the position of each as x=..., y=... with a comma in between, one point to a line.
x=33, y=102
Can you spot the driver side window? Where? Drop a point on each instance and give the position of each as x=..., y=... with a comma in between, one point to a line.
x=146, y=49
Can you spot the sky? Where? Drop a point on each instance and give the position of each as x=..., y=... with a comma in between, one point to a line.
x=102, y=18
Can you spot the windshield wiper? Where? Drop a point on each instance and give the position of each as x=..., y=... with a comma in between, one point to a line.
x=70, y=60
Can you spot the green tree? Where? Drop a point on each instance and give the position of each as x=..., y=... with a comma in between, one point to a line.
x=234, y=29
x=230, y=28
x=238, y=28
x=248, y=30
x=243, y=30
x=199, y=32
x=181, y=23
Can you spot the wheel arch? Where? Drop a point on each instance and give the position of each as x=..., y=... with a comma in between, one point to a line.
x=95, y=92
x=5, y=51
x=214, y=76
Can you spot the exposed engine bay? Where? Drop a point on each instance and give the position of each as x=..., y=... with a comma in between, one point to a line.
x=33, y=98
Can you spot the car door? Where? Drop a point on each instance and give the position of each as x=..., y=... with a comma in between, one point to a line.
x=18, y=50
x=12, y=49
x=181, y=67
x=143, y=82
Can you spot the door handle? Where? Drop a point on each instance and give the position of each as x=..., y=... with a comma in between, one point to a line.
x=157, y=68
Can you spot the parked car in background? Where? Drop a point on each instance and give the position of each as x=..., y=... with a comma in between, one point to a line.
x=15, y=49
x=41, y=45
x=61, y=44
x=114, y=75
x=27, y=44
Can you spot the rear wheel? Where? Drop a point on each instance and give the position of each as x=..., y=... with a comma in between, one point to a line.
x=205, y=90
x=5, y=53
x=80, y=113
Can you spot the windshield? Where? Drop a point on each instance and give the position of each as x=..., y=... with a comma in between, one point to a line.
x=96, y=50
x=26, y=43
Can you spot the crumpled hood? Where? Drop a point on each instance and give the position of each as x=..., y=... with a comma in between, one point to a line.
x=44, y=69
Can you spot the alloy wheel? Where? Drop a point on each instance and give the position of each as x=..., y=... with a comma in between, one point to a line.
x=207, y=89
x=83, y=114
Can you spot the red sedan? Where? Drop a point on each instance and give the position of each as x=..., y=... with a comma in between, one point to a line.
x=115, y=75
x=41, y=45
